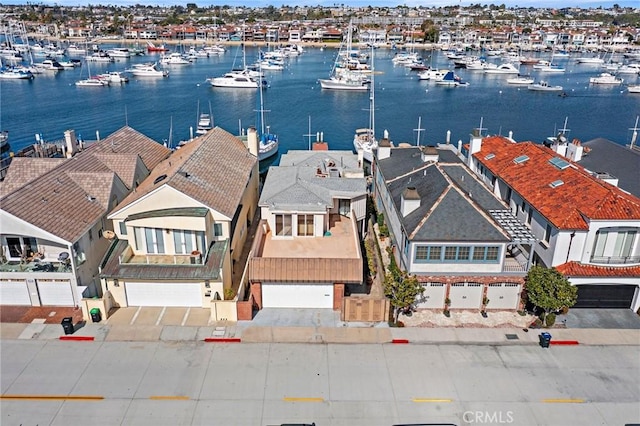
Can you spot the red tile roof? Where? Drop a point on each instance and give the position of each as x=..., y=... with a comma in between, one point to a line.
x=576, y=269
x=571, y=205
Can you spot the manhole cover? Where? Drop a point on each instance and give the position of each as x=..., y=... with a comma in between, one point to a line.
x=511, y=336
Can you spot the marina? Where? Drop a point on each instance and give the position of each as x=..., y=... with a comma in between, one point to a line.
x=165, y=109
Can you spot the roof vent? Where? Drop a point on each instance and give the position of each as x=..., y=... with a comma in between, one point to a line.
x=559, y=163
x=91, y=198
x=159, y=179
x=556, y=183
x=521, y=159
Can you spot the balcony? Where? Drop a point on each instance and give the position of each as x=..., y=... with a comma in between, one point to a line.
x=615, y=260
x=35, y=266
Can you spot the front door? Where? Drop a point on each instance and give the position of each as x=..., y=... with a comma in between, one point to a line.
x=344, y=208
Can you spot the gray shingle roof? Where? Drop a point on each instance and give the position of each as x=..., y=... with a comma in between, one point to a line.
x=610, y=157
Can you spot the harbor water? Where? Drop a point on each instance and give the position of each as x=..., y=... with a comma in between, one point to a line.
x=165, y=109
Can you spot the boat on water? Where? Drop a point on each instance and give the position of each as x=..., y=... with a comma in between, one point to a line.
x=75, y=50
x=546, y=66
x=635, y=88
x=99, y=56
x=450, y=79
x=205, y=121
x=117, y=77
x=364, y=140
x=521, y=80
x=605, y=78
x=343, y=76
x=147, y=70
x=92, y=82
x=15, y=74
x=505, y=68
x=267, y=141
x=119, y=52
x=236, y=80
x=544, y=86
x=5, y=153
x=153, y=48
x=71, y=63
x=590, y=60
x=49, y=65
x=174, y=58
x=431, y=74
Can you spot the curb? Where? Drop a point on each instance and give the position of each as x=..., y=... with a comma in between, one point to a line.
x=80, y=338
x=222, y=340
x=400, y=341
x=564, y=342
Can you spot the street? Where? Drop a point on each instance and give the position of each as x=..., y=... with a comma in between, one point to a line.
x=194, y=383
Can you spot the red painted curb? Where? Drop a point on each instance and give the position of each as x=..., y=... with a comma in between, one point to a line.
x=83, y=338
x=564, y=342
x=403, y=341
x=222, y=339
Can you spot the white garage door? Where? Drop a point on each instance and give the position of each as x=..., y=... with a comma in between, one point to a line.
x=55, y=293
x=503, y=296
x=433, y=296
x=14, y=293
x=297, y=295
x=465, y=295
x=164, y=294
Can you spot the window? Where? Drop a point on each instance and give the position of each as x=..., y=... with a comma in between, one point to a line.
x=344, y=207
x=492, y=254
x=450, y=253
x=154, y=240
x=463, y=253
x=183, y=241
x=217, y=230
x=305, y=225
x=137, y=236
x=613, y=243
x=422, y=252
x=90, y=235
x=529, y=215
x=123, y=228
x=283, y=225
x=15, y=247
x=523, y=205
x=435, y=253
x=547, y=233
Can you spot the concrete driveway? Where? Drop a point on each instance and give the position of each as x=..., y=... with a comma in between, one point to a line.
x=196, y=317
x=601, y=318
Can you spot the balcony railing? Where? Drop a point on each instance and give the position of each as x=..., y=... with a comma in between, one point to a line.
x=512, y=265
x=615, y=260
x=42, y=266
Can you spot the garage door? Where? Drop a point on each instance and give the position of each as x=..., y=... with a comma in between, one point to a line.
x=605, y=296
x=465, y=295
x=164, y=294
x=55, y=293
x=297, y=295
x=433, y=296
x=14, y=293
x=503, y=296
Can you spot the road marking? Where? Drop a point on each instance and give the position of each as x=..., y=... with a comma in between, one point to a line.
x=564, y=401
x=292, y=399
x=431, y=400
x=170, y=398
x=164, y=309
x=55, y=397
x=135, y=316
x=186, y=316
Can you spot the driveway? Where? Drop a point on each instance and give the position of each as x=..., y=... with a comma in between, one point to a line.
x=601, y=318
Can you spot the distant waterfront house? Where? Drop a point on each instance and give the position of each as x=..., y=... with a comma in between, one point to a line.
x=53, y=221
x=586, y=227
x=448, y=230
x=307, y=248
x=180, y=233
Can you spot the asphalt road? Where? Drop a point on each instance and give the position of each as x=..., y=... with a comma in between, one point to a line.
x=196, y=383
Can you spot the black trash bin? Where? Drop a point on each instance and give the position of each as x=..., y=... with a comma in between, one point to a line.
x=96, y=316
x=67, y=325
x=545, y=339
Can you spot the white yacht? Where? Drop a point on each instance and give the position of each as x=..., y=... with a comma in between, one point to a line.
x=505, y=68
x=147, y=70
x=174, y=58
x=235, y=80
x=605, y=78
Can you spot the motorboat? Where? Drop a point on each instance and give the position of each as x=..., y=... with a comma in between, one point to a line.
x=431, y=74
x=450, y=79
x=235, y=80
x=205, y=121
x=49, y=65
x=215, y=49
x=605, y=78
x=505, y=68
x=114, y=77
x=521, y=80
x=153, y=48
x=590, y=60
x=174, y=58
x=345, y=81
x=71, y=63
x=74, y=50
x=147, y=70
x=546, y=66
x=544, y=86
x=119, y=52
x=99, y=56
x=634, y=88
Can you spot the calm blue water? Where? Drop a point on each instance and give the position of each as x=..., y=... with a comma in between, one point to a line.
x=51, y=103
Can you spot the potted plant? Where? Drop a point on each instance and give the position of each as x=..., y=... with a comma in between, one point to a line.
x=447, y=302
x=485, y=302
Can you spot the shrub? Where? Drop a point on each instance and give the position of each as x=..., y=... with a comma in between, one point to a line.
x=229, y=294
x=551, y=319
x=446, y=313
x=538, y=323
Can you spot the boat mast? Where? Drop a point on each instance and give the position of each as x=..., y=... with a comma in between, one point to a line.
x=309, y=134
x=634, y=136
x=418, y=130
x=372, y=106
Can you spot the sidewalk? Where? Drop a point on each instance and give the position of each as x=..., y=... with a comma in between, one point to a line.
x=371, y=334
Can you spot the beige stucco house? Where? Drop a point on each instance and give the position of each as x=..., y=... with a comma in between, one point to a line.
x=178, y=236
x=53, y=216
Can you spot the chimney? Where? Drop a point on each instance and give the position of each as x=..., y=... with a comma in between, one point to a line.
x=428, y=154
x=574, y=151
x=384, y=149
x=71, y=142
x=560, y=144
x=252, y=141
x=409, y=201
x=475, y=145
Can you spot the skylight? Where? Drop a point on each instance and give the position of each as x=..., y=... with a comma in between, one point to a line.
x=559, y=163
x=556, y=183
x=489, y=156
x=520, y=159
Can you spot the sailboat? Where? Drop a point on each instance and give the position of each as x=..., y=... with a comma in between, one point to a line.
x=268, y=142
x=365, y=139
x=205, y=121
x=91, y=81
x=342, y=77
